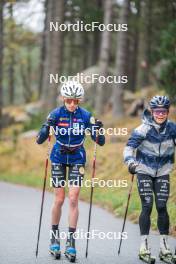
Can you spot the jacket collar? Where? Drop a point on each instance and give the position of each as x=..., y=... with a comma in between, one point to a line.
x=67, y=111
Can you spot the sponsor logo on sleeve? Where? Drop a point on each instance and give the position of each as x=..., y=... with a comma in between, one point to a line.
x=92, y=120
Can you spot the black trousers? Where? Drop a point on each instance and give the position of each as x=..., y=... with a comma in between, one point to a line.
x=150, y=188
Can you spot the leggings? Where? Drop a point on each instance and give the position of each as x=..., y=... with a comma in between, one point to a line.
x=160, y=188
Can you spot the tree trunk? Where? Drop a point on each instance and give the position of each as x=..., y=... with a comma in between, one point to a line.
x=56, y=41
x=43, y=52
x=104, y=56
x=85, y=49
x=29, y=71
x=46, y=64
x=96, y=45
x=96, y=49
x=26, y=77
x=134, y=60
x=53, y=59
x=1, y=62
x=121, y=62
x=68, y=42
x=145, y=44
x=12, y=58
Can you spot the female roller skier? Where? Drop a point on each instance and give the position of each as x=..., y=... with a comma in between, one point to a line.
x=70, y=123
x=149, y=153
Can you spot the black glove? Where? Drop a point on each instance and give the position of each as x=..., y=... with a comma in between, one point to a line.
x=132, y=168
x=98, y=124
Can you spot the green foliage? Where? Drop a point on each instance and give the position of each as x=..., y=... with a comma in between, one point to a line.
x=22, y=45
x=168, y=53
x=88, y=11
x=27, y=179
x=35, y=122
x=88, y=107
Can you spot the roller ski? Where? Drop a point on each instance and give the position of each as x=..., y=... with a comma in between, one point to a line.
x=70, y=251
x=146, y=257
x=165, y=254
x=145, y=254
x=55, y=250
x=174, y=259
x=167, y=258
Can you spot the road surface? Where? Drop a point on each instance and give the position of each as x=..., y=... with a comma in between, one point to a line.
x=19, y=215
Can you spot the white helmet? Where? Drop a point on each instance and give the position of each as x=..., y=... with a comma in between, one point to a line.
x=72, y=89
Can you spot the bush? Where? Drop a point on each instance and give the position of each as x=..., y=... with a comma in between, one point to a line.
x=35, y=122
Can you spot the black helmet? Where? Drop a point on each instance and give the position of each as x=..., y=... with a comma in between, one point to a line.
x=159, y=101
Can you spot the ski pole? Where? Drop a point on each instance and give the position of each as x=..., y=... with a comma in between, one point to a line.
x=43, y=194
x=91, y=194
x=126, y=211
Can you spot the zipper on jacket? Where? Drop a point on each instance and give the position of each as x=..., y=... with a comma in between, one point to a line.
x=69, y=136
x=159, y=158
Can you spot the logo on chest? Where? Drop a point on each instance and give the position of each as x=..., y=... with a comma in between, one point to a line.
x=78, y=127
x=75, y=125
x=64, y=119
x=63, y=124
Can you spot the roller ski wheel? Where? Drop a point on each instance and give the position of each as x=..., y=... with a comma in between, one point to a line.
x=70, y=253
x=71, y=258
x=55, y=251
x=167, y=258
x=147, y=258
x=174, y=259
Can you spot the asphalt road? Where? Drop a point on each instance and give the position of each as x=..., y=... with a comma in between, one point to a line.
x=19, y=215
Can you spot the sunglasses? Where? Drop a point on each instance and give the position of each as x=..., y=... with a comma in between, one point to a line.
x=158, y=112
x=69, y=101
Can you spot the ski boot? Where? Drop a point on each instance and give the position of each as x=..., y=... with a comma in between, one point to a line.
x=165, y=254
x=144, y=252
x=167, y=257
x=54, y=249
x=174, y=259
x=70, y=251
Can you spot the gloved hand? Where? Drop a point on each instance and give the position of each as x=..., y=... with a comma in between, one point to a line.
x=132, y=167
x=98, y=124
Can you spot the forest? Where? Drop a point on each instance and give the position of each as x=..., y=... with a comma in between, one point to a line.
x=142, y=54
x=122, y=51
